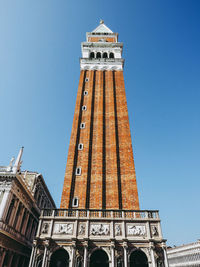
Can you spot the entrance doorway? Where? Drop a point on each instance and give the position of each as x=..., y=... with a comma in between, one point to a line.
x=99, y=258
x=60, y=258
x=138, y=259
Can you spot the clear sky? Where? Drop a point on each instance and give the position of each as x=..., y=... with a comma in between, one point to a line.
x=39, y=74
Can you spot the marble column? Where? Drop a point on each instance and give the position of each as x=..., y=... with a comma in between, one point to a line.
x=4, y=204
x=85, y=254
x=73, y=254
x=125, y=254
x=31, y=262
x=152, y=255
x=165, y=256
x=44, y=256
x=112, y=247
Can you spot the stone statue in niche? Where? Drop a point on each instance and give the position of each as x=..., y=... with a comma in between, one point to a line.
x=154, y=230
x=45, y=228
x=118, y=230
x=136, y=230
x=63, y=228
x=99, y=229
x=81, y=229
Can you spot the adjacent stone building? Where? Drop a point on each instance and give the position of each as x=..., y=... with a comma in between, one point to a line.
x=184, y=256
x=22, y=196
x=99, y=223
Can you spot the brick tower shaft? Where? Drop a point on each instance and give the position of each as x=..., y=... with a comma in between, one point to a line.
x=100, y=172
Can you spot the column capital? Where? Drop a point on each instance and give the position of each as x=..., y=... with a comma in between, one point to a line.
x=112, y=244
x=151, y=245
x=125, y=245
x=46, y=243
x=163, y=245
x=73, y=245
x=85, y=243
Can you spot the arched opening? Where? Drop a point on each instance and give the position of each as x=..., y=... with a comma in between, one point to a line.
x=105, y=55
x=99, y=258
x=39, y=261
x=79, y=262
x=92, y=55
x=138, y=259
x=120, y=262
x=111, y=55
x=59, y=258
x=98, y=55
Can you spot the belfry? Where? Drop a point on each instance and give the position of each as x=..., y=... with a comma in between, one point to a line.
x=99, y=222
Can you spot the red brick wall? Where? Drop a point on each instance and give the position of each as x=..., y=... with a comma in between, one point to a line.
x=128, y=179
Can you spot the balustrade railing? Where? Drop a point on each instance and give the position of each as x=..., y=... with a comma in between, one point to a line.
x=110, y=214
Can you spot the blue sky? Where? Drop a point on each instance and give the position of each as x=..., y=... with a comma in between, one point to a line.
x=39, y=74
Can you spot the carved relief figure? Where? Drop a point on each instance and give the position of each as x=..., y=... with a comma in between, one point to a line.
x=63, y=228
x=154, y=230
x=117, y=230
x=136, y=230
x=99, y=229
x=81, y=229
x=45, y=228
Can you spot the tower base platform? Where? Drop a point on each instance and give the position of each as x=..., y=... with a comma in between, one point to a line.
x=94, y=238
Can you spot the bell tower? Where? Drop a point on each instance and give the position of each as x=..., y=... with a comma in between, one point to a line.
x=100, y=172
x=99, y=223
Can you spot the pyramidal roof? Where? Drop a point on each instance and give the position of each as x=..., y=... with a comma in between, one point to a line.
x=102, y=28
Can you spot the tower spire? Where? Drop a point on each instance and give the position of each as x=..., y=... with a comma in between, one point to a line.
x=18, y=161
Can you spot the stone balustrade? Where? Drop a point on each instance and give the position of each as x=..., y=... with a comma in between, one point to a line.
x=101, y=214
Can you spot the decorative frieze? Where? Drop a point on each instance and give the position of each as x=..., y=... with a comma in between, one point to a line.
x=99, y=229
x=63, y=228
x=136, y=230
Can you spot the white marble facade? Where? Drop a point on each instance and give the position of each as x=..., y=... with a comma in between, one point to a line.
x=81, y=232
x=185, y=255
x=22, y=195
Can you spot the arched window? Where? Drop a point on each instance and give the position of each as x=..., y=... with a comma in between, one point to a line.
x=111, y=55
x=92, y=55
x=75, y=202
x=105, y=55
x=138, y=258
x=78, y=171
x=99, y=258
x=98, y=55
x=10, y=211
x=17, y=216
x=59, y=258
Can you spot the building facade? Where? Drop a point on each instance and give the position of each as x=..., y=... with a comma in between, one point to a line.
x=22, y=196
x=184, y=256
x=99, y=222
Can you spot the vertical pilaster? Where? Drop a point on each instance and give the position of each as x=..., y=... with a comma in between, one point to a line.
x=5, y=202
x=125, y=254
x=85, y=254
x=45, y=255
x=90, y=130
x=165, y=255
x=72, y=146
x=97, y=149
x=112, y=248
x=152, y=255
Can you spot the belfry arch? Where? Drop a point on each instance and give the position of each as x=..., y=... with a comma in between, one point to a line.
x=99, y=258
x=59, y=258
x=138, y=259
